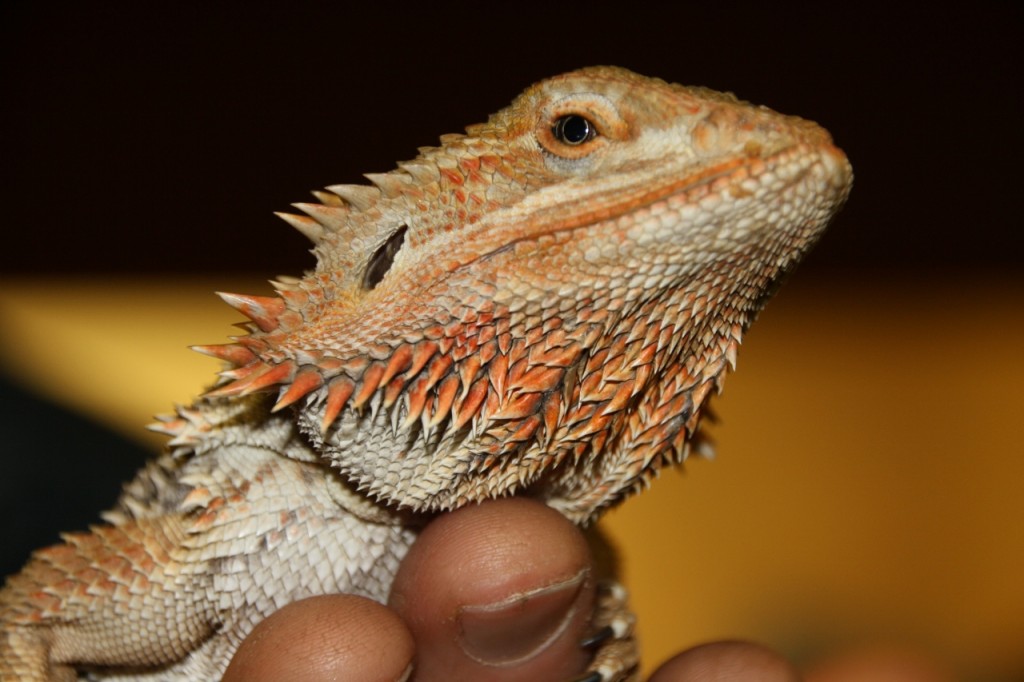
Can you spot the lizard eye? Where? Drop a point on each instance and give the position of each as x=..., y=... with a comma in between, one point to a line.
x=573, y=130
x=577, y=126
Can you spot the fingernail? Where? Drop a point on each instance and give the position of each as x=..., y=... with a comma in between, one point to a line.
x=516, y=629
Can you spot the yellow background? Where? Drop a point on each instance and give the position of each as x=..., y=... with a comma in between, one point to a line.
x=868, y=486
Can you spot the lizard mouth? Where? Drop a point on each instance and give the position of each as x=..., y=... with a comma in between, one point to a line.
x=752, y=175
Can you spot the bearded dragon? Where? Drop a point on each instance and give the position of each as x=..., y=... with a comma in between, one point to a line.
x=539, y=306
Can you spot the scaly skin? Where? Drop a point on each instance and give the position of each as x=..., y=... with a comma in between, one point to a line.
x=540, y=306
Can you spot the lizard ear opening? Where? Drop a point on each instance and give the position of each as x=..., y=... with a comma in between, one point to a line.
x=380, y=262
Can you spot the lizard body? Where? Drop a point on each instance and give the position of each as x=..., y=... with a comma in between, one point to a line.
x=540, y=306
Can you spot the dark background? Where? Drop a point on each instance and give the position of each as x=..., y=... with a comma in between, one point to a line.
x=159, y=137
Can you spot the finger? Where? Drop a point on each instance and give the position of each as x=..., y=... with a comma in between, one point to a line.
x=497, y=591
x=324, y=638
x=727, y=662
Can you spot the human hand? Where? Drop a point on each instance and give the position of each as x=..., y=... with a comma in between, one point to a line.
x=499, y=591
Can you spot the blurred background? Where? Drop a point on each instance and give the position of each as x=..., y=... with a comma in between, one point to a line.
x=869, y=483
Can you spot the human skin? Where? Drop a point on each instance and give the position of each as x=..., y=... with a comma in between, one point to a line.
x=497, y=591
x=490, y=554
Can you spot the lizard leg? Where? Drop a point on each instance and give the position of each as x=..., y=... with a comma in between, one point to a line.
x=616, y=655
x=104, y=597
x=24, y=655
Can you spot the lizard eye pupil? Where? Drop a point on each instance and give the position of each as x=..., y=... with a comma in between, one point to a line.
x=573, y=129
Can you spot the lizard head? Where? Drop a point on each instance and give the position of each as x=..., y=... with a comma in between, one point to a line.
x=544, y=303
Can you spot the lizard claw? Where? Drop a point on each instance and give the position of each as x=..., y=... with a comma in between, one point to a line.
x=616, y=657
x=598, y=637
